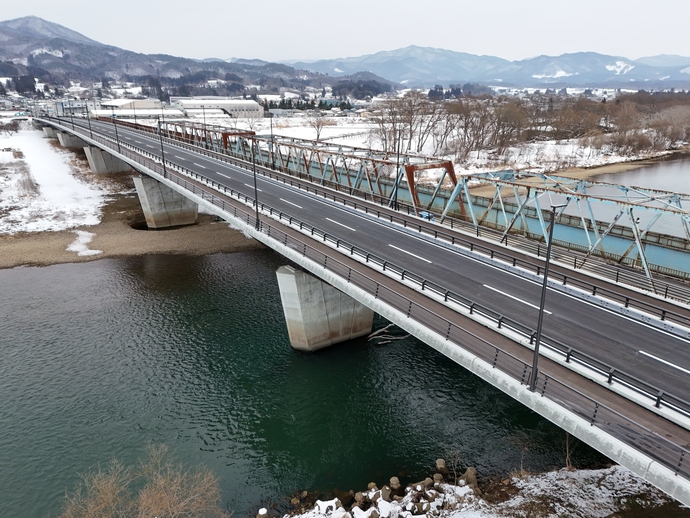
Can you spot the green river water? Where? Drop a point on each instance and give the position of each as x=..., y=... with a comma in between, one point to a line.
x=100, y=359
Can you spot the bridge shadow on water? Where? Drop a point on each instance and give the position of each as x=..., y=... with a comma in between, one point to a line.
x=105, y=357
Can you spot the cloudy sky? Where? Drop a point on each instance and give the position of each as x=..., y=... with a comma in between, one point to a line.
x=277, y=30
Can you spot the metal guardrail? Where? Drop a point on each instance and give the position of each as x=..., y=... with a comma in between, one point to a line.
x=628, y=431
x=658, y=397
x=615, y=274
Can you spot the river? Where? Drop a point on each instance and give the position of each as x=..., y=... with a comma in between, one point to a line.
x=666, y=175
x=100, y=359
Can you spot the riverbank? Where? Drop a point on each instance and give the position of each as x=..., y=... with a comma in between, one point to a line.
x=601, y=493
x=54, y=210
x=586, y=173
x=117, y=236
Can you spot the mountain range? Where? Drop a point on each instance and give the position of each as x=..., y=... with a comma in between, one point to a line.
x=34, y=44
x=428, y=66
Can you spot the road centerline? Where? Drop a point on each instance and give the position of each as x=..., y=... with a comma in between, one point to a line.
x=686, y=371
x=339, y=223
x=515, y=298
x=250, y=186
x=410, y=253
x=199, y=165
x=286, y=201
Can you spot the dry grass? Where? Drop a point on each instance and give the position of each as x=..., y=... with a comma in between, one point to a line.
x=166, y=490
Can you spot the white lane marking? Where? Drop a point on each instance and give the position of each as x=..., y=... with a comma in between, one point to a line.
x=339, y=223
x=515, y=298
x=281, y=199
x=252, y=186
x=686, y=371
x=137, y=141
x=226, y=176
x=413, y=255
x=181, y=158
x=202, y=166
x=147, y=145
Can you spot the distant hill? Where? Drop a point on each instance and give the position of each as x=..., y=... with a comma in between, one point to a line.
x=665, y=60
x=425, y=66
x=45, y=48
x=34, y=44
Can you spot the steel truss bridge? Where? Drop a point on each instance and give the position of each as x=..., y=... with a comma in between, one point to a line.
x=615, y=360
x=633, y=226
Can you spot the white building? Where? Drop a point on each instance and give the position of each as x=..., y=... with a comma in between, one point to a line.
x=131, y=104
x=238, y=108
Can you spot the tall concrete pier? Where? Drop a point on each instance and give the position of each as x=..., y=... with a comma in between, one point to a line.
x=102, y=162
x=317, y=314
x=163, y=207
x=69, y=141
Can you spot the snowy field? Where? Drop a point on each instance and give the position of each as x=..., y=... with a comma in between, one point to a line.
x=38, y=188
x=538, y=157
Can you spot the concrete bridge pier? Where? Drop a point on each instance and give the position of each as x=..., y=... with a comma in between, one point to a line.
x=163, y=207
x=317, y=314
x=102, y=162
x=70, y=141
x=49, y=132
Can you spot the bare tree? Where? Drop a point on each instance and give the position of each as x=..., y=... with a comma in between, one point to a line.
x=168, y=490
x=317, y=121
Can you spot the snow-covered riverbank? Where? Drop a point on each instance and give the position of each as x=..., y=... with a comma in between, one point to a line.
x=39, y=186
x=53, y=209
x=565, y=493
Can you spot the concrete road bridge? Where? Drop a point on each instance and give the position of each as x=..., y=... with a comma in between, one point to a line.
x=614, y=361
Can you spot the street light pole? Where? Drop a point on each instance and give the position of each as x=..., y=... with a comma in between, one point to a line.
x=160, y=135
x=86, y=103
x=540, y=320
x=203, y=110
x=256, y=190
x=397, y=171
x=117, y=138
x=273, y=162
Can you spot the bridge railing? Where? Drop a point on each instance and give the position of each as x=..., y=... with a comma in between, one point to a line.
x=658, y=397
x=616, y=274
x=664, y=451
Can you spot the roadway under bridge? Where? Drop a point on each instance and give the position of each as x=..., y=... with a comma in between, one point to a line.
x=615, y=360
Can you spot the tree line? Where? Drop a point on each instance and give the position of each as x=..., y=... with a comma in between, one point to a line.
x=632, y=123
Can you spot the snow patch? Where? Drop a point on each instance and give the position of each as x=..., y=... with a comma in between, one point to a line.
x=337, y=70
x=558, y=74
x=81, y=244
x=52, y=52
x=685, y=71
x=621, y=67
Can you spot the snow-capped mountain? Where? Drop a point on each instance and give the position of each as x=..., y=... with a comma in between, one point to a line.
x=428, y=66
x=41, y=45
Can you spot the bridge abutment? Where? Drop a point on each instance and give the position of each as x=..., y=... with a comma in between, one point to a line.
x=102, y=162
x=49, y=132
x=317, y=314
x=163, y=207
x=69, y=141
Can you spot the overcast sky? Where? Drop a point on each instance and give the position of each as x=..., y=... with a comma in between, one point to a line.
x=277, y=30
